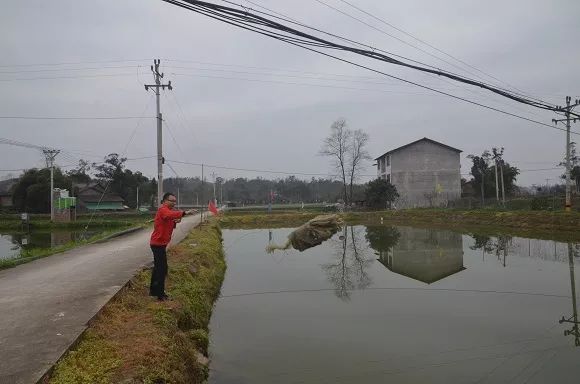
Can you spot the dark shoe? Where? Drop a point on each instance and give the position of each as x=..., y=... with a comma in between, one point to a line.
x=164, y=298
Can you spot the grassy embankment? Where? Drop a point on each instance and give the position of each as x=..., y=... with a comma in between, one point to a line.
x=538, y=224
x=105, y=226
x=136, y=339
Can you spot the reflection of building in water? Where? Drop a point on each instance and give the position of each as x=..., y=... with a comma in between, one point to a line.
x=424, y=254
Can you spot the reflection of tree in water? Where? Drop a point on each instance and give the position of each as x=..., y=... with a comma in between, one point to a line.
x=382, y=238
x=500, y=245
x=349, y=268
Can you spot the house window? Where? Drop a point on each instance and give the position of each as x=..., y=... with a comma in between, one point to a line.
x=388, y=178
x=382, y=164
x=388, y=160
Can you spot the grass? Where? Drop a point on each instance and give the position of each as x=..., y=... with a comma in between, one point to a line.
x=136, y=339
x=28, y=255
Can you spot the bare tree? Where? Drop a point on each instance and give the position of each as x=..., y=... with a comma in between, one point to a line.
x=337, y=146
x=358, y=154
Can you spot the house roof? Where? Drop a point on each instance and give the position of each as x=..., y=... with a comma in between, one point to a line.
x=417, y=141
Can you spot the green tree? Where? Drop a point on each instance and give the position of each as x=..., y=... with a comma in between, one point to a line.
x=380, y=193
x=32, y=191
x=483, y=175
x=80, y=174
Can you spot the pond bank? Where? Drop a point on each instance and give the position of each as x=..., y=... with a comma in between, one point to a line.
x=107, y=233
x=137, y=339
x=543, y=225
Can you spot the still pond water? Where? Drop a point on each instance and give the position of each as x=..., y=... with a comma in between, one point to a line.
x=388, y=304
x=12, y=244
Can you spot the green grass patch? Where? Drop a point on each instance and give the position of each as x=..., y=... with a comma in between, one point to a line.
x=146, y=341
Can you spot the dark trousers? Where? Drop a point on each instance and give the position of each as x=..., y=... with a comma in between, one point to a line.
x=157, y=287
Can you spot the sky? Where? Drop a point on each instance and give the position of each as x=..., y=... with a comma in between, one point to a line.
x=246, y=101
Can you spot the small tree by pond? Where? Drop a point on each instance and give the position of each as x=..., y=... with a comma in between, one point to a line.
x=380, y=194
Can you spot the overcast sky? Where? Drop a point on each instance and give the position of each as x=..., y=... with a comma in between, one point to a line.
x=225, y=111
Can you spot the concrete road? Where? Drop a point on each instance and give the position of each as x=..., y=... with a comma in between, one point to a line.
x=45, y=305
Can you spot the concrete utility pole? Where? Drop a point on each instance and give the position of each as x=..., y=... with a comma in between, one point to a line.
x=502, y=182
x=496, y=186
x=50, y=155
x=213, y=178
x=202, y=193
x=160, y=160
x=567, y=109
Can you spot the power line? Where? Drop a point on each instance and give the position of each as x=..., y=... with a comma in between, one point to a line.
x=423, y=42
x=373, y=49
x=258, y=170
x=364, y=81
x=300, y=84
x=427, y=44
x=72, y=63
x=393, y=36
x=68, y=77
x=73, y=118
x=349, y=78
x=67, y=69
x=247, y=20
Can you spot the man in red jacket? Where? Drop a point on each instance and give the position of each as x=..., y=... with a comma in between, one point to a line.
x=165, y=221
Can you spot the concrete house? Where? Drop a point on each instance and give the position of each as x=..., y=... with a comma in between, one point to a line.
x=425, y=172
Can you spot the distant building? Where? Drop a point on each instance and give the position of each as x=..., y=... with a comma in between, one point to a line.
x=6, y=192
x=94, y=197
x=425, y=172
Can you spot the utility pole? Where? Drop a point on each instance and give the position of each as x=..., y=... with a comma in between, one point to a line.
x=50, y=155
x=160, y=160
x=213, y=178
x=202, y=193
x=502, y=182
x=496, y=187
x=137, y=204
x=567, y=109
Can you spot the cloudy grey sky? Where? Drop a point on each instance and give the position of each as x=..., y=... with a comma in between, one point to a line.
x=246, y=101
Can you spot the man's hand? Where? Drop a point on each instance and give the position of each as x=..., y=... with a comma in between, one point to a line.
x=177, y=221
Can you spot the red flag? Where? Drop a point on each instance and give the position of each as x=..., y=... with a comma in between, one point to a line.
x=212, y=208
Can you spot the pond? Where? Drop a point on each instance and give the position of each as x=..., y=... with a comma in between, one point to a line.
x=12, y=243
x=378, y=304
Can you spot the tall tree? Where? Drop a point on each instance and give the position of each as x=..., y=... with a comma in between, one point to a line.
x=337, y=146
x=483, y=176
x=358, y=154
x=80, y=174
x=479, y=169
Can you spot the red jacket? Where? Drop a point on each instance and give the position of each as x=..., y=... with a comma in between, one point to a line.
x=164, y=224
